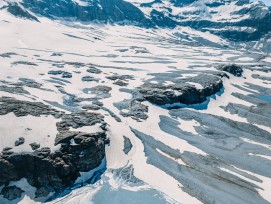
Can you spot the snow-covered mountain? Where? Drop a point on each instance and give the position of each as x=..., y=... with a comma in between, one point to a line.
x=237, y=20
x=112, y=101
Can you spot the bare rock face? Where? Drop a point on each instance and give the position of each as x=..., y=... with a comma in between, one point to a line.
x=47, y=170
x=172, y=88
x=232, y=68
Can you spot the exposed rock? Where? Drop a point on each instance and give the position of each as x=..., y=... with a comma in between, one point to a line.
x=7, y=148
x=11, y=192
x=127, y=174
x=94, y=70
x=53, y=171
x=56, y=54
x=47, y=170
x=133, y=107
x=20, y=141
x=127, y=145
x=55, y=72
x=17, y=11
x=180, y=90
x=24, y=63
x=66, y=75
x=7, y=54
x=91, y=107
x=231, y=68
x=34, y=146
x=89, y=78
x=24, y=108
x=60, y=72
x=79, y=119
x=101, y=92
x=28, y=82
x=120, y=83
x=120, y=77
x=15, y=89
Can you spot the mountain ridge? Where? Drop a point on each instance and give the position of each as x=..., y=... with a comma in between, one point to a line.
x=237, y=20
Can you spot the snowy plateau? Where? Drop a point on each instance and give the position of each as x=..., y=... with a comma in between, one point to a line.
x=136, y=101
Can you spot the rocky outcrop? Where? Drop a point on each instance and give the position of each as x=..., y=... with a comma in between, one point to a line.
x=191, y=90
x=20, y=141
x=24, y=108
x=127, y=145
x=16, y=10
x=60, y=72
x=89, y=79
x=231, y=68
x=11, y=192
x=53, y=170
x=133, y=107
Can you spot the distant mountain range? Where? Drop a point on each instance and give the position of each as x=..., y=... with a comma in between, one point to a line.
x=235, y=20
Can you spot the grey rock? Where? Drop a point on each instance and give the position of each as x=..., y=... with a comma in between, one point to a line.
x=24, y=108
x=127, y=174
x=120, y=77
x=180, y=91
x=231, y=68
x=34, y=146
x=7, y=54
x=20, y=141
x=56, y=54
x=11, y=192
x=14, y=89
x=89, y=79
x=60, y=72
x=67, y=75
x=91, y=107
x=24, y=63
x=94, y=70
x=17, y=11
x=120, y=83
x=127, y=145
x=53, y=171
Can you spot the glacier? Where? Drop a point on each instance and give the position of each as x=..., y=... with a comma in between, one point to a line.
x=169, y=104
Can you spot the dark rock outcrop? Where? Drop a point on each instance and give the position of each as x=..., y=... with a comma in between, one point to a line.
x=231, y=68
x=34, y=146
x=94, y=70
x=89, y=79
x=60, y=72
x=45, y=169
x=11, y=192
x=20, y=141
x=127, y=145
x=180, y=90
x=133, y=107
x=18, y=11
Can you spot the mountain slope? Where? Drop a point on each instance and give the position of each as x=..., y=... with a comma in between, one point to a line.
x=238, y=21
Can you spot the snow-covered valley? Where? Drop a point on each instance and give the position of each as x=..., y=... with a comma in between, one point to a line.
x=168, y=121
